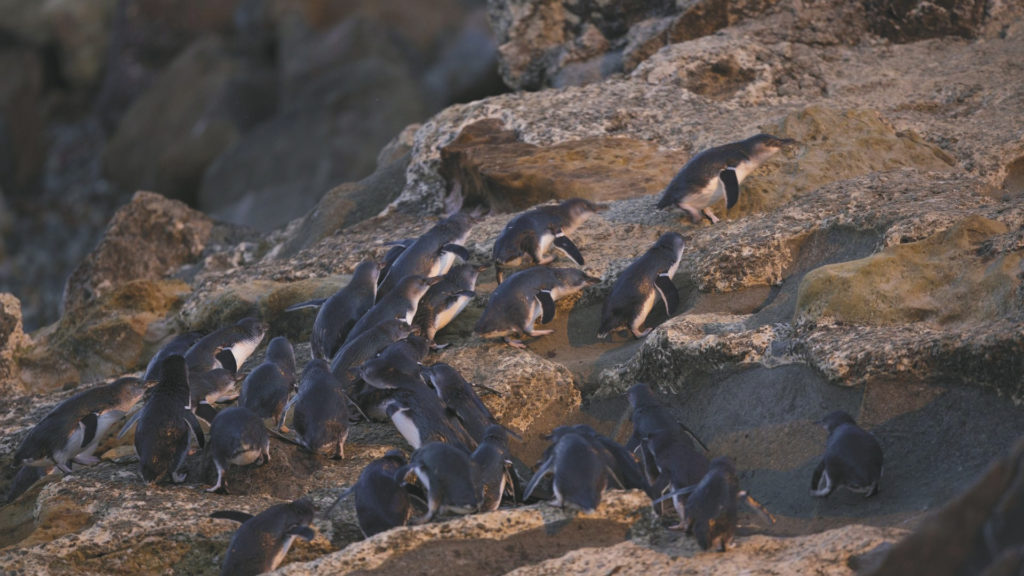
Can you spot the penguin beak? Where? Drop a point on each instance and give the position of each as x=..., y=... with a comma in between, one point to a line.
x=591, y=279
x=602, y=207
x=434, y=280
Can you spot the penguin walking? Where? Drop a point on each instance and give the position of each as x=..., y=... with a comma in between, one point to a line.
x=265, y=390
x=165, y=425
x=712, y=506
x=421, y=418
x=321, y=411
x=716, y=173
x=638, y=287
x=432, y=254
x=237, y=436
x=533, y=232
x=527, y=295
x=446, y=300
x=209, y=388
x=401, y=303
x=396, y=366
x=579, y=473
x=361, y=348
x=449, y=476
x=494, y=461
x=262, y=541
x=340, y=312
x=619, y=461
x=853, y=458
x=178, y=345
x=666, y=447
x=228, y=347
x=74, y=428
x=459, y=397
x=381, y=501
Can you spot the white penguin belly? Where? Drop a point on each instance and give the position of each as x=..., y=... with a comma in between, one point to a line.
x=407, y=428
x=245, y=458
x=449, y=314
x=72, y=447
x=242, y=350
x=286, y=544
x=546, y=240
x=645, y=310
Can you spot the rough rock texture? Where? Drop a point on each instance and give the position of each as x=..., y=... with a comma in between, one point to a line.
x=899, y=214
x=12, y=339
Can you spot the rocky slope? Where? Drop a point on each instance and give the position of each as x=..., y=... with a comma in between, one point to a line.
x=878, y=267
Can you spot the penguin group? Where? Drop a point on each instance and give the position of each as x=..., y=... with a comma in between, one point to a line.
x=369, y=346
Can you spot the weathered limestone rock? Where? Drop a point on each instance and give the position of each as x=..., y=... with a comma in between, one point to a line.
x=12, y=339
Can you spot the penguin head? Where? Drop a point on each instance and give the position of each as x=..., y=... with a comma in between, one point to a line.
x=573, y=279
x=640, y=395
x=496, y=435
x=368, y=271
x=671, y=241
x=174, y=380
x=579, y=209
x=765, y=144
x=281, y=353
x=835, y=419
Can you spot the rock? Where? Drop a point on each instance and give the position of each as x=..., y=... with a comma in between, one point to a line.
x=332, y=126
x=147, y=239
x=492, y=167
x=910, y=20
x=22, y=138
x=166, y=140
x=12, y=340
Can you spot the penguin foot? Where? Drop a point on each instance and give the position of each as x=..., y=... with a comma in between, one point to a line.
x=640, y=334
x=680, y=526
x=178, y=477
x=710, y=215
x=64, y=467
x=515, y=343
x=87, y=460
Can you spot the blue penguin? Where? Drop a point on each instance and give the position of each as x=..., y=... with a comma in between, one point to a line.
x=395, y=250
x=165, y=425
x=533, y=232
x=527, y=295
x=459, y=397
x=178, y=345
x=853, y=458
x=237, y=436
x=321, y=411
x=638, y=287
x=265, y=390
x=361, y=348
x=716, y=173
x=262, y=541
x=432, y=254
x=446, y=300
x=421, y=418
x=493, y=460
x=668, y=453
x=73, y=429
x=579, y=472
x=400, y=303
x=210, y=387
x=619, y=461
x=381, y=502
x=712, y=506
x=228, y=347
x=339, y=313
x=448, y=475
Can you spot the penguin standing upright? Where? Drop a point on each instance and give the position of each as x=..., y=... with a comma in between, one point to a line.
x=494, y=462
x=716, y=173
x=430, y=255
x=237, y=436
x=853, y=458
x=339, y=313
x=165, y=425
x=381, y=501
x=639, y=286
x=265, y=390
x=321, y=411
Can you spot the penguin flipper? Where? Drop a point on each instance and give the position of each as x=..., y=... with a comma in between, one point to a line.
x=205, y=411
x=456, y=249
x=546, y=468
x=315, y=303
x=235, y=515
x=732, y=186
x=816, y=477
x=547, y=304
x=90, y=422
x=132, y=421
x=668, y=292
x=563, y=243
x=680, y=492
x=304, y=532
x=193, y=423
x=227, y=360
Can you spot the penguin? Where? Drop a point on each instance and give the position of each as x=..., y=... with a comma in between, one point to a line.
x=637, y=288
x=579, y=473
x=321, y=411
x=494, y=461
x=361, y=348
x=209, y=388
x=853, y=458
x=73, y=429
x=381, y=502
x=237, y=436
x=421, y=418
x=621, y=462
x=265, y=390
x=228, y=347
x=340, y=312
x=448, y=475
x=400, y=303
x=446, y=300
x=178, y=345
x=533, y=232
x=26, y=477
x=667, y=450
x=712, y=505
x=459, y=397
x=716, y=173
x=397, y=365
x=395, y=250
x=527, y=295
x=165, y=424
x=262, y=541
x=432, y=254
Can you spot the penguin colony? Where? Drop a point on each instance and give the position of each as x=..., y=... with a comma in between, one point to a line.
x=369, y=344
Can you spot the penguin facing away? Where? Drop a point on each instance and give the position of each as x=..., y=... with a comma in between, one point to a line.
x=853, y=458
x=237, y=436
x=262, y=541
x=640, y=285
x=321, y=411
x=381, y=501
x=265, y=390
x=449, y=476
x=579, y=473
x=716, y=173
